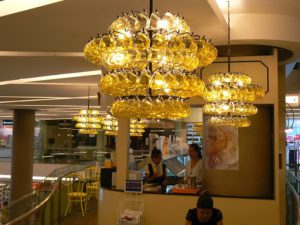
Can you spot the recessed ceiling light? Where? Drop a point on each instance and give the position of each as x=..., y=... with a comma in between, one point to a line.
x=47, y=99
x=234, y=4
x=15, y=6
x=52, y=77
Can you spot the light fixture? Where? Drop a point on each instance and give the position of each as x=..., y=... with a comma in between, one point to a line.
x=229, y=96
x=110, y=125
x=150, y=62
x=88, y=131
x=137, y=127
x=89, y=120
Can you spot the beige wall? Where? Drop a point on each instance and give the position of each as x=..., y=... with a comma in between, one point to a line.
x=255, y=175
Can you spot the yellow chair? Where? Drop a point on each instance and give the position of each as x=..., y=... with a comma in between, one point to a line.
x=92, y=175
x=75, y=185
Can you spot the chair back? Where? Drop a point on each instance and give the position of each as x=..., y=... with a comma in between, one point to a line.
x=74, y=182
x=92, y=173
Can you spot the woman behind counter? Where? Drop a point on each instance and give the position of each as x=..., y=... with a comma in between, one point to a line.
x=155, y=170
x=194, y=166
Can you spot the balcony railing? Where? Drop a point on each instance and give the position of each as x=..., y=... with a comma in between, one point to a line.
x=292, y=194
x=43, y=205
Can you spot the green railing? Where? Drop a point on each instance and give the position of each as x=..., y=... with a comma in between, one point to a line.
x=45, y=205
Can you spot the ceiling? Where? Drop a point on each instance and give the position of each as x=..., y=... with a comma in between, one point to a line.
x=47, y=41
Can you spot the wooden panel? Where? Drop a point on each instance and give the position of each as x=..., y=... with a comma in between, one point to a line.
x=255, y=176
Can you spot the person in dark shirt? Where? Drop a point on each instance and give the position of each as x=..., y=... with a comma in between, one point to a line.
x=155, y=170
x=204, y=213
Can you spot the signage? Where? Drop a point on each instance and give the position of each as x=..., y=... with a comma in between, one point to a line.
x=293, y=100
x=7, y=122
x=134, y=186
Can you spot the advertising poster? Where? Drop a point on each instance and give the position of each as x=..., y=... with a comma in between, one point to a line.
x=221, y=148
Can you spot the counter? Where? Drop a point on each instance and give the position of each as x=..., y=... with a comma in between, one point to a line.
x=154, y=204
x=172, y=208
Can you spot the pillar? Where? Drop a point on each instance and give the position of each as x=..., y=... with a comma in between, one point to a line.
x=282, y=144
x=22, y=153
x=122, y=147
x=100, y=140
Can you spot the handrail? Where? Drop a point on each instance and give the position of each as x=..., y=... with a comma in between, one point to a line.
x=22, y=198
x=45, y=201
x=293, y=204
x=35, y=209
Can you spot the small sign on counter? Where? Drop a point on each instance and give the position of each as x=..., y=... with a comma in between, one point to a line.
x=133, y=186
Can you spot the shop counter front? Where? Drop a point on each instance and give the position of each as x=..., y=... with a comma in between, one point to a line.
x=167, y=208
x=158, y=208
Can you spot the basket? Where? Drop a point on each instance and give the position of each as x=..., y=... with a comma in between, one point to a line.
x=130, y=212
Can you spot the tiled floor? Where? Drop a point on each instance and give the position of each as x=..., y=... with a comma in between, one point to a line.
x=75, y=217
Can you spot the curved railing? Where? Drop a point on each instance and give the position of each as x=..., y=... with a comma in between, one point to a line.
x=42, y=206
x=292, y=194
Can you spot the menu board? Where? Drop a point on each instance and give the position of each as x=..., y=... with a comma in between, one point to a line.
x=133, y=186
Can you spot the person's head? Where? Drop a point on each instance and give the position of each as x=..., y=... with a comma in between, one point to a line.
x=156, y=156
x=205, y=206
x=195, y=151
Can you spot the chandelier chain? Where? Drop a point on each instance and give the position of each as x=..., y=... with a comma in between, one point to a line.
x=151, y=7
x=228, y=34
x=151, y=36
x=89, y=90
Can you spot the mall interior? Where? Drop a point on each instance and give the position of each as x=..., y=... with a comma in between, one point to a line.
x=90, y=90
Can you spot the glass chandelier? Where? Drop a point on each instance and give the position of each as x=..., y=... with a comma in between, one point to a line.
x=110, y=126
x=137, y=127
x=150, y=62
x=89, y=120
x=229, y=96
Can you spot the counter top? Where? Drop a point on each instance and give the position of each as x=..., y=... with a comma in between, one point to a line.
x=166, y=191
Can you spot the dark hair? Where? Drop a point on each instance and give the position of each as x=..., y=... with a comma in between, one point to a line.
x=155, y=153
x=205, y=201
x=197, y=149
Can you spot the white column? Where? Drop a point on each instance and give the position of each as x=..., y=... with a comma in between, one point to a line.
x=122, y=146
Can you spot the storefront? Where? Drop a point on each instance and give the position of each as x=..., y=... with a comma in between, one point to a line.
x=247, y=184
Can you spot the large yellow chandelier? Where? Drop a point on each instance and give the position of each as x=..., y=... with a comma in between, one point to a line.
x=230, y=96
x=150, y=62
x=88, y=121
x=229, y=99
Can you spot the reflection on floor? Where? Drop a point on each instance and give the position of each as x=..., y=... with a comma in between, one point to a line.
x=76, y=218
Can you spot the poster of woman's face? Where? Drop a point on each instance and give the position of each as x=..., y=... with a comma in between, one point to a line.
x=221, y=148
